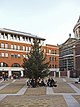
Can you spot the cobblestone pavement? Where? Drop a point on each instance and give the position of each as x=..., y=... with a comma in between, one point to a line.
x=14, y=93
x=34, y=101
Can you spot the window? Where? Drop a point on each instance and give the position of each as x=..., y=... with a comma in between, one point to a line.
x=49, y=51
x=55, y=58
x=55, y=51
x=18, y=37
x=18, y=47
x=53, y=66
x=26, y=48
x=23, y=38
x=23, y=48
x=15, y=37
x=15, y=65
x=2, y=45
x=2, y=54
x=11, y=36
x=2, y=34
x=18, y=55
x=6, y=36
x=15, y=47
x=2, y=64
x=50, y=58
x=6, y=46
x=11, y=46
x=29, y=48
x=50, y=66
x=6, y=55
x=27, y=56
x=52, y=51
x=12, y=56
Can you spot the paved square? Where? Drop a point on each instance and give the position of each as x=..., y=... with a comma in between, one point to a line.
x=15, y=93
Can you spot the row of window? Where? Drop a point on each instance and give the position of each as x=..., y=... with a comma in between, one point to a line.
x=52, y=66
x=15, y=47
x=12, y=55
x=66, y=52
x=24, y=48
x=2, y=64
x=52, y=51
x=24, y=56
x=17, y=37
x=52, y=58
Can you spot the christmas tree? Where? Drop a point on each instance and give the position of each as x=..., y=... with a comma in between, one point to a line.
x=36, y=66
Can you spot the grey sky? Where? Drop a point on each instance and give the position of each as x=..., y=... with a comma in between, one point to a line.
x=51, y=19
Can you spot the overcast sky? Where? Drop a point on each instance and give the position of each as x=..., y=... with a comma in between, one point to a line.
x=50, y=19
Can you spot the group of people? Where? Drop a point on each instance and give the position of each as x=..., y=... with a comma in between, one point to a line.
x=41, y=82
x=51, y=82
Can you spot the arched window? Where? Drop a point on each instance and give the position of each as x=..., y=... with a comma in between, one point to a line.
x=15, y=65
x=3, y=64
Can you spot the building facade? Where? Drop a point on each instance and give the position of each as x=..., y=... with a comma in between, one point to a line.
x=52, y=55
x=68, y=52
x=14, y=46
x=76, y=31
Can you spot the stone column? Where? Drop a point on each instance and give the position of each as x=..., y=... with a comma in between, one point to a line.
x=68, y=74
x=54, y=74
x=9, y=74
x=22, y=74
x=59, y=74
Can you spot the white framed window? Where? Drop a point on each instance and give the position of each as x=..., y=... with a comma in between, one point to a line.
x=27, y=56
x=2, y=45
x=2, y=54
x=2, y=64
x=26, y=48
x=29, y=48
x=23, y=48
x=15, y=47
x=49, y=51
x=18, y=55
x=6, y=46
x=18, y=47
x=11, y=46
x=6, y=55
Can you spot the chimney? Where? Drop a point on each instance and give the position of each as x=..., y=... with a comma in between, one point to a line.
x=69, y=35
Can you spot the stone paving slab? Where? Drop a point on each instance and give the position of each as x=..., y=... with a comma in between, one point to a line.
x=77, y=85
x=74, y=87
x=6, y=81
x=63, y=87
x=71, y=102
x=13, y=87
x=77, y=97
x=33, y=101
x=36, y=91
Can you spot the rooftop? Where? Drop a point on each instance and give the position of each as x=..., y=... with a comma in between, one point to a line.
x=20, y=33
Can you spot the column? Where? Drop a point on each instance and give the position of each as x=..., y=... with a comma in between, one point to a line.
x=68, y=74
x=9, y=74
x=54, y=74
x=22, y=74
x=59, y=74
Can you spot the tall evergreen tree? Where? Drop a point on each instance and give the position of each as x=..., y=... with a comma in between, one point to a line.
x=35, y=65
